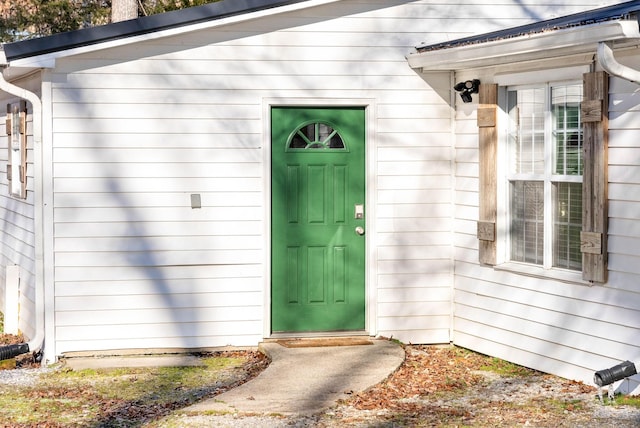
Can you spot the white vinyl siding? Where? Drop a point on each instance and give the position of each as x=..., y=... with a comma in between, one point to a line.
x=413, y=220
x=135, y=136
x=17, y=224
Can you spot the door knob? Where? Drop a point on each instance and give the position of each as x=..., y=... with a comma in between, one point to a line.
x=360, y=230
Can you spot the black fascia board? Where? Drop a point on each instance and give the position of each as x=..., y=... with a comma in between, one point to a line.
x=614, y=12
x=134, y=27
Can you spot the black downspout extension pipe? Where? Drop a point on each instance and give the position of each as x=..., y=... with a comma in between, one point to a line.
x=617, y=372
x=11, y=351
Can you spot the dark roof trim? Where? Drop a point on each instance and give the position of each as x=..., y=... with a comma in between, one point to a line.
x=615, y=12
x=135, y=27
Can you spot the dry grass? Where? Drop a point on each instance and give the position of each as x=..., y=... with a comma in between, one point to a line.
x=122, y=397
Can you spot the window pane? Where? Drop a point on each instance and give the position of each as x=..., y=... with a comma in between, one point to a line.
x=567, y=225
x=316, y=136
x=527, y=224
x=567, y=134
x=526, y=131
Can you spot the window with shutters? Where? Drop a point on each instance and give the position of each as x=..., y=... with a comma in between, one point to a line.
x=550, y=215
x=16, y=129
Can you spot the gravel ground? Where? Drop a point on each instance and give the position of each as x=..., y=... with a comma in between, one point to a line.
x=22, y=377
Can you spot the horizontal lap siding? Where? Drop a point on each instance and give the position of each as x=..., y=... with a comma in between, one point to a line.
x=559, y=328
x=567, y=329
x=624, y=221
x=139, y=128
x=136, y=266
x=414, y=180
x=17, y=223
x=134, y=138
x=413, y=225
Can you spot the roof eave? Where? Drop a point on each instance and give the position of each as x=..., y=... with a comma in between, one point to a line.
x=548, y=44
x=127, y=32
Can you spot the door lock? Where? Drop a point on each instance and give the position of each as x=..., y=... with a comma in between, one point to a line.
x=359, y=212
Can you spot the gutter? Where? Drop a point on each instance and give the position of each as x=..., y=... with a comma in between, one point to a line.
x=36, y=344
x=524, y=48
x=609, y=63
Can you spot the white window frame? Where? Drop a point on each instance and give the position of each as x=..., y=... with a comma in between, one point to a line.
x=545, y=79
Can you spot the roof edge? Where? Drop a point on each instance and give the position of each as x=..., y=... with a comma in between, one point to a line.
x=537, y=46
x=143, y=25
x=593, y=16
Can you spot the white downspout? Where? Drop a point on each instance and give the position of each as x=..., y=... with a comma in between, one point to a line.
x=37, y=342
x=613, y=67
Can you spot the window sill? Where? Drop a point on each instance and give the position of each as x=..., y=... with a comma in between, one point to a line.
x=561, y=275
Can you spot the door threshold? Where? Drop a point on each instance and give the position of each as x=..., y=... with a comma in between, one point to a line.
x=316, y=334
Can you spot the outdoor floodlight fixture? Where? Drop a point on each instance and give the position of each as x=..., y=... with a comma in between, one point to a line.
x=467, y=88
x=615, y=373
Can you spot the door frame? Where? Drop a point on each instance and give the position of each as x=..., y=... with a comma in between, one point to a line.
x=370, y=161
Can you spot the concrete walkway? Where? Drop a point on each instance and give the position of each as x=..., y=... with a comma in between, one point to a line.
x=304, y=381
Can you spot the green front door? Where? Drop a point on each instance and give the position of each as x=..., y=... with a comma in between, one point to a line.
x=317, y=219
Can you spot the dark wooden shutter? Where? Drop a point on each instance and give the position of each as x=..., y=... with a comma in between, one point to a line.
x=8, y=124
x=23, y=148
x=487, y=143
x=595, y=123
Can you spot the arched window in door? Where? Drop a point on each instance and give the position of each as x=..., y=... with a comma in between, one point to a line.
x=316, y=135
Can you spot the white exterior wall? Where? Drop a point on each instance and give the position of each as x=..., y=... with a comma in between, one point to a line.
x=17, y=227
x=135, y=137
x=139, y=128
x=568, y=329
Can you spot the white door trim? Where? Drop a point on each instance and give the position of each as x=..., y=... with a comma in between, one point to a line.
x=369, y=105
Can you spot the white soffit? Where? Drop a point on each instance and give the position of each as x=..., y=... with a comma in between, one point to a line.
x=548, y=44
